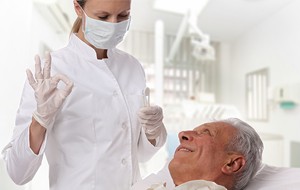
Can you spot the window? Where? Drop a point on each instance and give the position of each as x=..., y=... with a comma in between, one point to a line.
x=257, y=95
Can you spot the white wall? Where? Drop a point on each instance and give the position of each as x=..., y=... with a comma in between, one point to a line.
x=274, y=43
x=14, y=54
x=23, y=30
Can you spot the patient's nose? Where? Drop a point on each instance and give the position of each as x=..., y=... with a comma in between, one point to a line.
x=185, y=136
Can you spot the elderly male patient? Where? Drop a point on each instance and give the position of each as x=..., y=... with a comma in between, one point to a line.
x=218, y=155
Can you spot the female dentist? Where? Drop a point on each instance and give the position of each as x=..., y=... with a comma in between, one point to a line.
x=84, y=109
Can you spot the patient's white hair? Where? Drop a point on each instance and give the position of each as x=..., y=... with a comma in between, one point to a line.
x=248, y=143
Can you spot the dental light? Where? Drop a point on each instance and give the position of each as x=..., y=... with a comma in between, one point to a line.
x=200, y=42
x=202, y=49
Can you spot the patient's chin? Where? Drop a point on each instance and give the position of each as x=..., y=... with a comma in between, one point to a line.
x=177, y=166
x=172, y=165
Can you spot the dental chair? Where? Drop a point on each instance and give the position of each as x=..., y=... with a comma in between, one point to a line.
x=275, y=178
x=267, y=178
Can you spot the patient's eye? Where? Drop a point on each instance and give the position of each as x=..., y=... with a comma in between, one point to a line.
x=206, y=131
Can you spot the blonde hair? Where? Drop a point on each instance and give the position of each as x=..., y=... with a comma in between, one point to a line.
x=78, y=21
x=76, y=25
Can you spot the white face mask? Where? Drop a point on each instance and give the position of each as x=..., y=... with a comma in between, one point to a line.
x=104, y=35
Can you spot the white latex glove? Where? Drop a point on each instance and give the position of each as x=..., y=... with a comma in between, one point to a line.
x=151, y=119
x=158, y=187
x=48, y=97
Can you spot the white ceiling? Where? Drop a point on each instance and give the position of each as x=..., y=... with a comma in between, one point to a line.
x=223, y=20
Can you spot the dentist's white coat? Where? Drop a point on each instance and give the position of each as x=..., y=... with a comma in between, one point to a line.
x=96, y=141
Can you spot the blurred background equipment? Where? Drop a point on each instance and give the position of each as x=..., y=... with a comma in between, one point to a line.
x=190, y=10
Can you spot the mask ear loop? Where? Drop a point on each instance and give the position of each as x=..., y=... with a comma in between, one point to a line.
x=129, y=22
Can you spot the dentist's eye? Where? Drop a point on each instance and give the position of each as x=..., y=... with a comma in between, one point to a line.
x=103, y=17
x=124, y=16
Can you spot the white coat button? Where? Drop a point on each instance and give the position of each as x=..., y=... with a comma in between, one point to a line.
x=115, y=93
x=124, y=126
x=123, y=161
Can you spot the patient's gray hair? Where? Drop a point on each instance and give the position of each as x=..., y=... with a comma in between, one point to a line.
x=248, y=143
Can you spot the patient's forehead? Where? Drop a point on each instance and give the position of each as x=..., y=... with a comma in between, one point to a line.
x=218, y=126
x=212, y=125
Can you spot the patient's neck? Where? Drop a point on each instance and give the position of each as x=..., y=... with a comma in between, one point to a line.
x=226, y=181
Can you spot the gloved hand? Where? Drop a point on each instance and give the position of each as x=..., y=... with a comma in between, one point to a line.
x=158, y=187
x=48, y=97
x=151, y=119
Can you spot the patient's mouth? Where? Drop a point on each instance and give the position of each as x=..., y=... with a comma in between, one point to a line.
x=184, y=149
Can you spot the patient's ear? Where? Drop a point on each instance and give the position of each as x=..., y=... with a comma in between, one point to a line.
x=234, y=164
